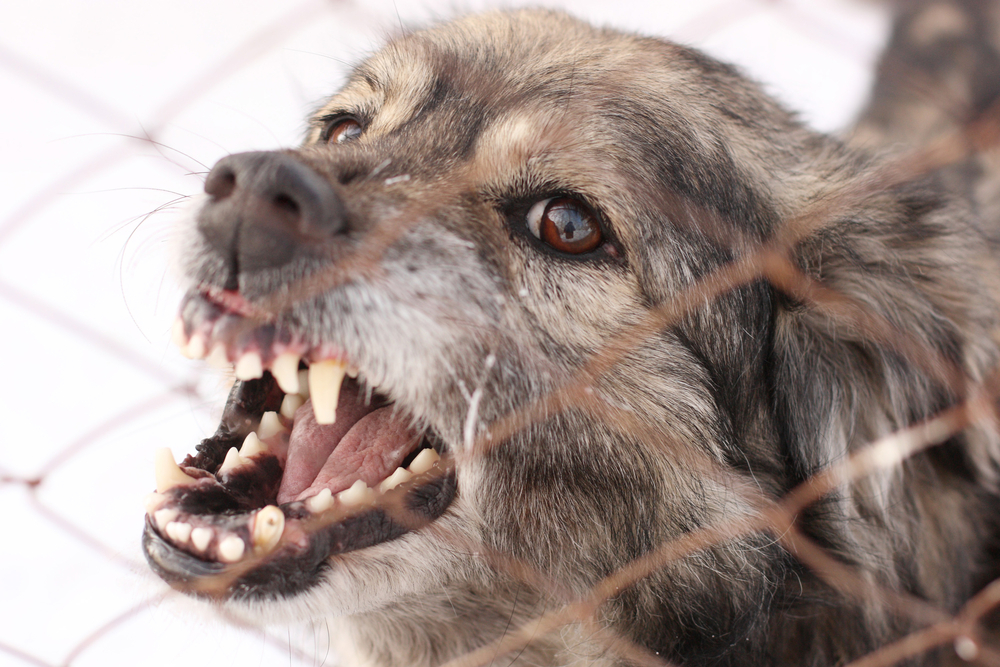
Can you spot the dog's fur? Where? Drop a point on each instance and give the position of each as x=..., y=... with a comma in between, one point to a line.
x=690, y=167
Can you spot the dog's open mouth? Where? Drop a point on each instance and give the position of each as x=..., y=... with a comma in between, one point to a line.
x=307, y=463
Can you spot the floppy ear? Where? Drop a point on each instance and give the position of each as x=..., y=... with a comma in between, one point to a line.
x=900, y=327
x=904, y=334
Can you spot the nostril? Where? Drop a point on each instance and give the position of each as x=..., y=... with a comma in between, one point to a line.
x=285, y=203
x=221, y=182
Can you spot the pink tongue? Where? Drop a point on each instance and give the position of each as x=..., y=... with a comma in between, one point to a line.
x=362, y=444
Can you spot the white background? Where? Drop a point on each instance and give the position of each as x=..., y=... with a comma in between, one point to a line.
x=90, y=384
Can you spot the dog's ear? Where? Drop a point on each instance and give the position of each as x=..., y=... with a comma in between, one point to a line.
x=885, y=326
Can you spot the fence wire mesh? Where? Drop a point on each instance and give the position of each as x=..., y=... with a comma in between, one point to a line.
x=117, y=110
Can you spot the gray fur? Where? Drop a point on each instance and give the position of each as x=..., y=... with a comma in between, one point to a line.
x=691, y=166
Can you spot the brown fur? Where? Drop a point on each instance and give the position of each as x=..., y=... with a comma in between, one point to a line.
x=691, y=168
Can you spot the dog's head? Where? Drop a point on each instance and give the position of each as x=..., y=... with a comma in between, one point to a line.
x=473, y=258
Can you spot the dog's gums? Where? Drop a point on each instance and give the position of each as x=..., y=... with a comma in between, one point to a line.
x=307, y=463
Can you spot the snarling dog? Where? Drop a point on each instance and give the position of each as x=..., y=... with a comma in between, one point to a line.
x=536, y=302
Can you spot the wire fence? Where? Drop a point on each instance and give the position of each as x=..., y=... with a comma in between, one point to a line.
x=87, y=403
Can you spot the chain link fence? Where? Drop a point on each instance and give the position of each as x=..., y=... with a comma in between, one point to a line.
x=115, y=112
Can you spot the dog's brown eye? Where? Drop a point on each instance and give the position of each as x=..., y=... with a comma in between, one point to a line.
x=343, y=131
x=565, y=224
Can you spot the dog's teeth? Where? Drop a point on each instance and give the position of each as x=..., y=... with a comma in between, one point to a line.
x=289, y=404
x=321, y=502
x=395, y=479
x=303, y=384
x=153, y=501
x=164, y=517
x=270, y=425
x=249, y=367
x=200, y=538
x=178, y=531
x=285, y=369
x=353, y=372
x=268, y=526
x=218, y=358
x=177, y=335
x=168, y=474
x=424, y=461
x=252, y=446
x=232, y=462
x=325, y=378
x=358, y=494
x=231, y=549
x=195, y=348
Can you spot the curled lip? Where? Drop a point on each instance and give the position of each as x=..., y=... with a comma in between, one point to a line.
x=217, y=529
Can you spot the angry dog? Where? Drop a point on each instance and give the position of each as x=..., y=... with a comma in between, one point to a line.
x=482, y=366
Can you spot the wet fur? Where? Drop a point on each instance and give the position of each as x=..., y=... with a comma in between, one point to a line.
x=690, y=166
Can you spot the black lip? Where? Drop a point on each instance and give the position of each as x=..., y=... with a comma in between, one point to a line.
x=289, y=573
x=289, y=570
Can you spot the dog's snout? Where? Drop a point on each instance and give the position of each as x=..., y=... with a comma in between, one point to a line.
x=263, y=206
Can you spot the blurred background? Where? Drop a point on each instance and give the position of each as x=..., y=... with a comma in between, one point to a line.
x=112, y=113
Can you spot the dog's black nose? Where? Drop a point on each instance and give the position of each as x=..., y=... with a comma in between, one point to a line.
x=263, y=207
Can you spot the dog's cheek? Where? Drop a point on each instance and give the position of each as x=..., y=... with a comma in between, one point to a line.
x=576, y=304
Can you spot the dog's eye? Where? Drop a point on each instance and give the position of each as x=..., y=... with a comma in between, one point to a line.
x=565, y=224
x=343, y=131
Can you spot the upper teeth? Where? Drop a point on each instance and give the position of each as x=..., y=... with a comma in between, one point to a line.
x=325, y=378
x=195, y=348
x=285, y=369
x=249, y=367
x=218, y=357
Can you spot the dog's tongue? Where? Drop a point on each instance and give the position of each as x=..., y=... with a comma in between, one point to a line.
x=363, y=443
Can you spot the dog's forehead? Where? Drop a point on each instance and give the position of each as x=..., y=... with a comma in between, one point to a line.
x=507, y=62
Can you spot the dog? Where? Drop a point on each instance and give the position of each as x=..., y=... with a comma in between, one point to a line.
x=542, y=319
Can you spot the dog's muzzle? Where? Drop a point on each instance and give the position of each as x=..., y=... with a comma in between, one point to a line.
x=264, y=210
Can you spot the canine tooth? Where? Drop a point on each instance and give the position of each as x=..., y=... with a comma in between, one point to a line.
x=200, y=537
x=232, y=462
x=179, y=531
x=325, y=378
x=269, y=425
x=177, y=334
x=395, y=479
x=358, y=494
x=285, y=369
x=424, y=461
x=289, y=404
x=168, y=474
x=303, y=384
x=195, y=348
x=268, y=526
x=249, y=367
x=164, y=517
x=153, y=501
x=353, y=371
x=321, y=502
x=218, y=358
x=231, y=549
